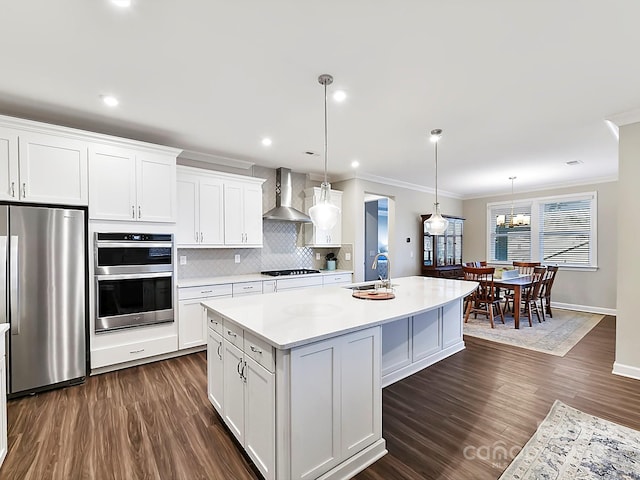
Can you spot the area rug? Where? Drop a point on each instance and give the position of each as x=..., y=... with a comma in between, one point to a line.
x=572, y=445
x=555, y=336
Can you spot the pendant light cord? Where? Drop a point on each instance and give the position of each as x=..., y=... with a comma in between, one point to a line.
x=436, y=173
x=326, y=133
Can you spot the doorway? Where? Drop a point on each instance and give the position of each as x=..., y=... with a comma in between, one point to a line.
x=376, y=235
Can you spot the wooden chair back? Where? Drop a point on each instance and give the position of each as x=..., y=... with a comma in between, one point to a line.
x=484, y=276
x=482, y=263
x=526, y=268
x=547, y=284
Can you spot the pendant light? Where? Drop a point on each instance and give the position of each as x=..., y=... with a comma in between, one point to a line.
x=436, y=224
x=519, y=220
x=324, y=214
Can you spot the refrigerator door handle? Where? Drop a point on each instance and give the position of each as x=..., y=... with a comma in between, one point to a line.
x=3, y=279
x=13, y=287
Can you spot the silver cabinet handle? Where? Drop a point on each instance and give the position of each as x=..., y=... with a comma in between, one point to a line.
x=13, y=189
x=196, y=234
x=207, y=291
x=201, y=237
x=256, y=350
x=244, y=377
x=133, y=211
x=231, y=334
x=219, y=348
x=137, y=351
x=238, y=368
x=139, y=211
x=24, y=190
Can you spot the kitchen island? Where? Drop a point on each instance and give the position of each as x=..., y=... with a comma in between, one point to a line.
x=298, y=376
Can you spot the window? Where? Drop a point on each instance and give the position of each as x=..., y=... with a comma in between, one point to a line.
x=554, y=230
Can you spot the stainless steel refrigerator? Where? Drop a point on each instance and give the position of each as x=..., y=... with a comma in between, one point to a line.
x=43, y=295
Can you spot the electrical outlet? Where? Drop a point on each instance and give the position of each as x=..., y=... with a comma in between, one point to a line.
x=347, y=256
x=237, y=258
x=317, y=256
x=183, y=259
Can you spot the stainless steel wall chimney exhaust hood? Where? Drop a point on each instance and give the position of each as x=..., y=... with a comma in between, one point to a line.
x=284, y=195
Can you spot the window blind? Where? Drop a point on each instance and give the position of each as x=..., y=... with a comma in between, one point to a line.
x=509, y=243
x=565, y=232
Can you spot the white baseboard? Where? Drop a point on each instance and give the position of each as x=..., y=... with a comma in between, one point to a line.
x=626, y=371
x=584, y=308
x=358, y=462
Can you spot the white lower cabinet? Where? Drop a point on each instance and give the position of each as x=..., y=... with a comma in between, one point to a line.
x=192, y=316
x=336, y=279
x=248, y=398
x=215, y=370
x=335, y=401
x=413, y=343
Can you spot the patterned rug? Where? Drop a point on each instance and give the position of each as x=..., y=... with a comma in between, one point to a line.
x=555, y=336
x=570, y=444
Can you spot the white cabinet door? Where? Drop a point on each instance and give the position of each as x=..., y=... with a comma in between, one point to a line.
x=396, y=345
x=112, y=183
x=233, y=397
x=252, y=213
x=192, y=323
x=361, y=393
x=156, y=186
x=187, y=222
x=53, y=169
x=260, y=417
x=8, y=164
x=215, y=370
x=233, y=208
x=211, y=211
x=426, y=334
x=315, y=409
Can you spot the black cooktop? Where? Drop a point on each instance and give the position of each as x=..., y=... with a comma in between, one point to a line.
x=298, y=271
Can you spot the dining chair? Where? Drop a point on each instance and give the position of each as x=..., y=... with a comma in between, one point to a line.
x=531, y=295
x=484, y=299
x=545, y=293
x=526, y=268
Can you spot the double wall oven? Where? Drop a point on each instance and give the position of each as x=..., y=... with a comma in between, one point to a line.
x=134, y=280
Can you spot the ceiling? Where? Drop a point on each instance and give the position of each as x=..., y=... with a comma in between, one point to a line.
x=519, y=88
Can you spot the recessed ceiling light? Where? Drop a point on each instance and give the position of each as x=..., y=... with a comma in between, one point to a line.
x=121, y=3
x=266, y=142
x=355, y=164
x=110, y=100
x=339, y=95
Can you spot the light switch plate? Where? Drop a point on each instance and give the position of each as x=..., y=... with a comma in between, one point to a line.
x=317, y=256
x=237, y=258
x=347, y=256
x=183, y=259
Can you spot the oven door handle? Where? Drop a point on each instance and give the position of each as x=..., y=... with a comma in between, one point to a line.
x=103, y=244
x=128, y=276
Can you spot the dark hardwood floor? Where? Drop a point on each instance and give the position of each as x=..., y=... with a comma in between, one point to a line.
x=463, y=418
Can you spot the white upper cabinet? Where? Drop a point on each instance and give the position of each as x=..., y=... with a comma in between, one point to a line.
x=218, y=209
x=243, y=213
x=8, y=164
x=129, y=184
x=315, y=236
x=200, y=210
x=41, y=168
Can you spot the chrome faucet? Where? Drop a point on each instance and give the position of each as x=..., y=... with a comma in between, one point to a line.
x=385, y=283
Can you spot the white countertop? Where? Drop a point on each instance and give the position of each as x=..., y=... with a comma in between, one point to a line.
x=249, y=277
x=294, y=318
x=4, y=327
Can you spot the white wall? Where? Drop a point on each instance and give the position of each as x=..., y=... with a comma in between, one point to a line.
x=627, y=324
x=590, y=291
x=405, y=208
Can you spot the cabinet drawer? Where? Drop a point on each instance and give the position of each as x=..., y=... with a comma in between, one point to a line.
x=245, y=288
x=233, y=334
x=336, y=278
x=215, y=322
x=187, y=293
x=133, y=351
x=259, y=350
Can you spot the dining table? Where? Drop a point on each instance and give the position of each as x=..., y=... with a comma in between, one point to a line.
x=517, y=284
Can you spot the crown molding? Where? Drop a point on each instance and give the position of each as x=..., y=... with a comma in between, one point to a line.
x=625, y=118
x=216, y=159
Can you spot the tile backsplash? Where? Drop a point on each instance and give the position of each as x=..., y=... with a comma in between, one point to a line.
x=282, y=249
